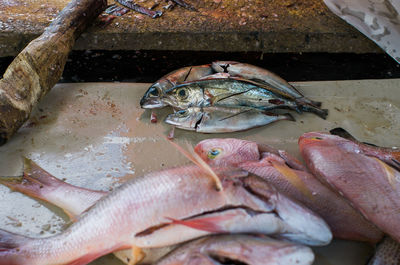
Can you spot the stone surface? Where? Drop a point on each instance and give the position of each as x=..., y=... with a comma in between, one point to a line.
x=219, y=25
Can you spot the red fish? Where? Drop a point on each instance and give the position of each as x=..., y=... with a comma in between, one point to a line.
x=289, y=176
x=372, y=186
x=137, y=215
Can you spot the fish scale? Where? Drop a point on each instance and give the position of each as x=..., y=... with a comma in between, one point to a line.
x=116, y=221
x=368, y=183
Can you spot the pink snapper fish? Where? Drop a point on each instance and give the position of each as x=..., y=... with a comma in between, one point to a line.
x=291, y=178
x=166, y=208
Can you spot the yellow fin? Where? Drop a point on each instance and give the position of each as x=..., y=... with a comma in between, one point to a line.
x=293, y=178
x=137, y=254
x=196, y=159
x=27, y=164
x=389, y=172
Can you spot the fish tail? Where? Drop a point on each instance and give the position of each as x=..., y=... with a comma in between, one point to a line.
x=320, y=112
x=306, y=101
x=38, y=183
x=339, y=131
x=34, y=182
x=10, y=248
x=289, y=117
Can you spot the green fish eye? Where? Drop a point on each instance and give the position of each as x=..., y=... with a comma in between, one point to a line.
x=213, y=153
x=181, y=112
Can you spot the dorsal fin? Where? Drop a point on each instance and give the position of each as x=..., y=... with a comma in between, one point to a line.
x=389, y=172
x=293, y=178
x=196, y=159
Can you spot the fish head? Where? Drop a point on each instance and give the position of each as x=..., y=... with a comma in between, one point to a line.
x=227, y=152
x=186, y=118
x=185, y=96
x=245, y=249
x=257, y=196
x=153, y=98
x=325, y=140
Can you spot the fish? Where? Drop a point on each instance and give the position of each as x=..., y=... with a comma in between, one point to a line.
x=274, y=166
x=158, y=210
x=238, y=249
x=390, y=155
x=387, y=252
x=261, y=75
x=152, y=97
x=231, y=92
x=73, y=200
x=371, y=185
x=228, y=152
x=222, y=119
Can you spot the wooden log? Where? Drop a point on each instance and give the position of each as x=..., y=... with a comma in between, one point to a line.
x=40, y=65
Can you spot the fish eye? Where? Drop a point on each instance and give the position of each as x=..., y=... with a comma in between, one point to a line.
x=213, y=153
x=181, y=112
x=182, y=93
x=154, y=92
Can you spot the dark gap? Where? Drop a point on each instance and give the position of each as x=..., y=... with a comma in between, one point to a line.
x=198, y=122
x=262, y=197
x=154, y=228
x=226, y=260
x=148, y=66
x=150, y=230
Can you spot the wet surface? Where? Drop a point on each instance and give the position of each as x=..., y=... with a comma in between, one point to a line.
x=218, y=25
x=95, y=135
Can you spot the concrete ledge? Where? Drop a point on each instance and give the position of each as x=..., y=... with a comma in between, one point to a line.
x=234, y=25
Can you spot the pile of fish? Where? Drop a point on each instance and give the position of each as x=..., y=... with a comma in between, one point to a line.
x=226, y=96
x=353, y=186
x=165, y=208
x=245, y=190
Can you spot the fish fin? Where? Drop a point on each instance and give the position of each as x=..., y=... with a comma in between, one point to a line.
x=293, y=178
x=396, y=162
x=196, y=159
x=94, y=254
x=221, y=97
x=236, y=114
x=35, y=182
x=262, y=148
x=264, y=85
x=343, y=133
x=284, y=116
x=288, y=117
x=209, y=224
x=306, y=101
x=10, y=244
x=389, y=173
x=291, y=161
x=323, y=113
x=137, y=254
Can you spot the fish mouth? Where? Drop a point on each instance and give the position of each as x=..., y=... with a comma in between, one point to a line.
x=152, y=103
x=170, y=119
